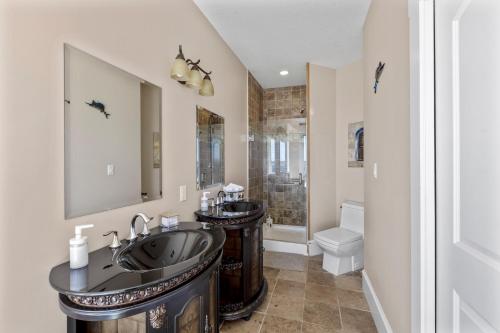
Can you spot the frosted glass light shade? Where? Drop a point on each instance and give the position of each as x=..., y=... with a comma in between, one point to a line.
x=179, y=70
x=194, y=78
x=207, y=88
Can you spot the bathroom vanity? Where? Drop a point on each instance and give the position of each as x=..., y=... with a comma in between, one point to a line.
x=243, y=287
x=170, y=277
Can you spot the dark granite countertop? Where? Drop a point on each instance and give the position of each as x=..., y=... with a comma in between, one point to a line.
x=233, y=210
x=104, y=278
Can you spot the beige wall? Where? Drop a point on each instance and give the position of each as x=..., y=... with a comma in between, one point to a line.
x=336, y=99
x=387, y=142
x=349, y=110
x=322, y=148
x=140, y=36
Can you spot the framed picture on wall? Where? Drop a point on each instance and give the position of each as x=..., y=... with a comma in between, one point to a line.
x=356, y=142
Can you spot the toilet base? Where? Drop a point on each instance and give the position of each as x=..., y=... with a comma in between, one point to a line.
x=341, y=265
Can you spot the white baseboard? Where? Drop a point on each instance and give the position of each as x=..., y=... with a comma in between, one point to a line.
x=378, y=314
x=314, y=249
x=287, y=247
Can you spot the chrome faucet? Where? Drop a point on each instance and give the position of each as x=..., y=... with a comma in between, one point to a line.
x=145, y=230
x=220, y=199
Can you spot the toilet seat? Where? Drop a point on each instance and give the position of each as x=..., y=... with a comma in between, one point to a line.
x=337, y=236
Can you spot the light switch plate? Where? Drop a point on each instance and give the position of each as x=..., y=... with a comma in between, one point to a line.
x=111, y=170
x=182, y=193
x=375, y=170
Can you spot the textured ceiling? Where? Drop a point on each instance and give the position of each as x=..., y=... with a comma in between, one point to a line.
x=272, y=35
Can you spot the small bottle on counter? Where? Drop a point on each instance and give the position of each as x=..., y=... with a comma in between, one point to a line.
x=204, y=202
x=78, y=248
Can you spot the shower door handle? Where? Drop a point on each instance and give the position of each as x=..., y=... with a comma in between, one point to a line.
x=300, y=178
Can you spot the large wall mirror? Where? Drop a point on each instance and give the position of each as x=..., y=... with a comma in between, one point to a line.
x=112, y=136
x=209, y=148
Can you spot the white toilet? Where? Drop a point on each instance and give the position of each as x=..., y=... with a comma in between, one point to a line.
x=343, y=246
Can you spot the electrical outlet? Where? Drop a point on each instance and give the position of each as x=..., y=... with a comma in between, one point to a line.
x=182, y=193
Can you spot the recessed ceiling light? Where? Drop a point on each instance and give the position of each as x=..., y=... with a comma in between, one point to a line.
x=284, y=73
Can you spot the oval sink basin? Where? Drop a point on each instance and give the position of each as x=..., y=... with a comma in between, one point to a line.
x=240, y=207
x=167, y=249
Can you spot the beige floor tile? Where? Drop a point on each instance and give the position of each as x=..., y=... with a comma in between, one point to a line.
x=289, y=288
x=293, y=262
x=314, y=328
x=322, y=278
x=356, y=321
x=243, y=326
x=263, y=307
x=280, y=325
x=355, y=273
x=321, y=293
x=315, y=266
x=271, y=284
x=297, y=276
x=352, y=299
x=271, y=273
x=322, y=314
x=316, y=258
x=286, y=307
x=349, y=282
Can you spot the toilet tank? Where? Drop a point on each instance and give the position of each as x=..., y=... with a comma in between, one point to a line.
x=352, y=216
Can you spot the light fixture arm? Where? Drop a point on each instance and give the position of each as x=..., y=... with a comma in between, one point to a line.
x=180, y=55
x=187, y=72
x=196, y=65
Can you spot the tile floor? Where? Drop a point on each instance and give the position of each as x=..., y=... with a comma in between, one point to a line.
x=303, y=298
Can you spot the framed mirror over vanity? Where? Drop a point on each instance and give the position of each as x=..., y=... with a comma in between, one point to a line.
x=209, y=149
x=112, y=136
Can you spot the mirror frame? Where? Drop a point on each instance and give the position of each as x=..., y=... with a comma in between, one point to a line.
x=198, y=182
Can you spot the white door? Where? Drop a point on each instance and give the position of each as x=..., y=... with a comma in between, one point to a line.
x=468, y=165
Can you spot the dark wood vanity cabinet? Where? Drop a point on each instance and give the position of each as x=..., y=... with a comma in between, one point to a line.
x=166, y=282
x=243, y=287
x=193, y=309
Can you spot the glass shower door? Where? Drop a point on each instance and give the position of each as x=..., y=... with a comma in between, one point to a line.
x=286, y=171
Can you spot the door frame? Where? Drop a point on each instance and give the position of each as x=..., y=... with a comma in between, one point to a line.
x=422, y=155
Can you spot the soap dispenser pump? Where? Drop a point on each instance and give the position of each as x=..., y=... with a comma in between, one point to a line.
x=78, y=248
x=204, y=202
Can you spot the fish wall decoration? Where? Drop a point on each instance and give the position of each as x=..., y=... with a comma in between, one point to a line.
x=99, y=106
x=378, y=74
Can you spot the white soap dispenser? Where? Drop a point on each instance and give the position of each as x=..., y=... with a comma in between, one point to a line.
x=78, y=248
x=204, y=202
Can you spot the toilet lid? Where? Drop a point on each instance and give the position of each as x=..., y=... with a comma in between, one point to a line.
x=338, y=236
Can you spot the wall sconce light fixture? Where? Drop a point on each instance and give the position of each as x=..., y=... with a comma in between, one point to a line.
x=191, y=77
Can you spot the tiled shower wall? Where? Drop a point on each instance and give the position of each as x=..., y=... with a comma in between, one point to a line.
x=286, y=200
x=285, y=103
x=255, y=142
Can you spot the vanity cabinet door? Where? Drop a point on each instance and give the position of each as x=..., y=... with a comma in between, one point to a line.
x=194, y=311
x=212, y=316
x=231, y=277
x=253, y=258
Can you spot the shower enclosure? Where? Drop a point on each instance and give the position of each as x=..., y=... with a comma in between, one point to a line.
x=278, y=158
